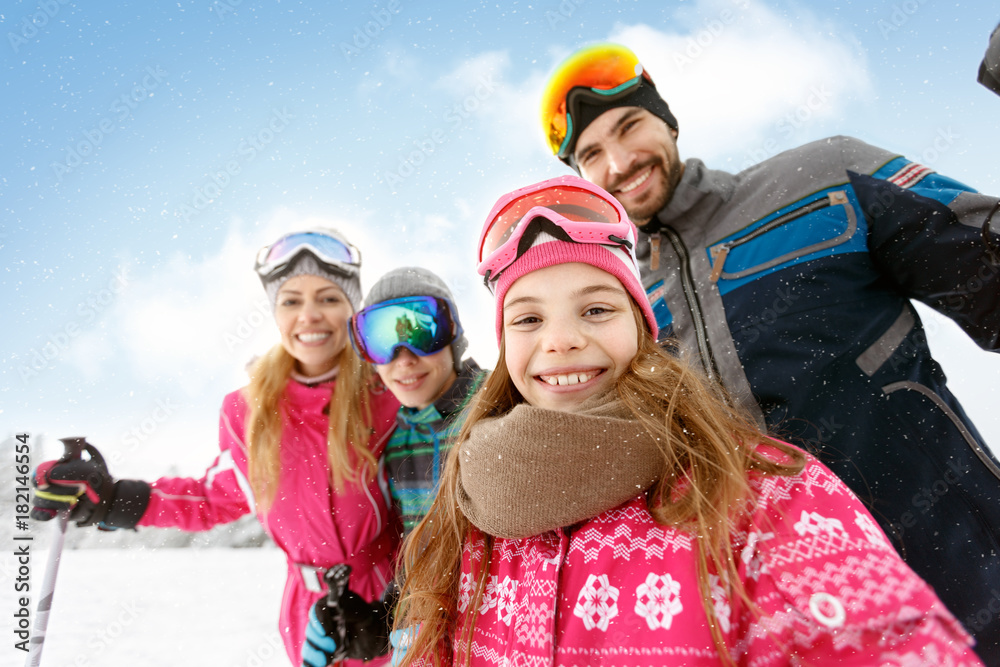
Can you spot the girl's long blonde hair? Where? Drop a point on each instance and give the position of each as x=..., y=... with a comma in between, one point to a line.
x=708, y=448
x=350, y=423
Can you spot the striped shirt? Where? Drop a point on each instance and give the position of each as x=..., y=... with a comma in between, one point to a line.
x=418, y=448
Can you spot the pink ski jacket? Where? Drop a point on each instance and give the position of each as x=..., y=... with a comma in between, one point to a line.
x=622, y=590
x=315, y=526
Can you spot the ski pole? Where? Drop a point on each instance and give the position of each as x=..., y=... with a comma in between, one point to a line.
x=72, y=449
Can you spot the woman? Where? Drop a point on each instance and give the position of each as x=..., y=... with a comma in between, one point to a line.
x=411, y=332
x=300, y=443
x=603, y=505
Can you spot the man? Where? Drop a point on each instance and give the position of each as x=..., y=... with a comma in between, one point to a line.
x=791, y=282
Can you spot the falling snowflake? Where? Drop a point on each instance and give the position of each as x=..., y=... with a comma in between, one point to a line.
x=597, y=603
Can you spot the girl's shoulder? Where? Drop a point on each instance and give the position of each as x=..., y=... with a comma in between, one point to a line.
x=812, y=504
x=813, y=482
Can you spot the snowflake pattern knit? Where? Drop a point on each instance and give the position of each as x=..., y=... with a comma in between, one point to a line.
x=622, y=590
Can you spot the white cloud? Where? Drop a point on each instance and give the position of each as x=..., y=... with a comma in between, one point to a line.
x=183, y=335
x=192, y=319
x=740, y=75
x=484, y=68
x=740, y=78
x=194, y=323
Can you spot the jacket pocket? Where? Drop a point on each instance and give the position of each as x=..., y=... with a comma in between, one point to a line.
x=824, y=223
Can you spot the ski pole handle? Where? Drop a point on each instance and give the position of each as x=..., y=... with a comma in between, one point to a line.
x=73, y=448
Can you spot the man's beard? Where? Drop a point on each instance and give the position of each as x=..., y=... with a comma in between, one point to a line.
x=668, y=175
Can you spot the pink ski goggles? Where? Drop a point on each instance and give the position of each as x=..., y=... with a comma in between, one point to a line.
x=575, y=210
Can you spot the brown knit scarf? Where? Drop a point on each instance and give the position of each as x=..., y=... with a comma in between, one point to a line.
x=534, y=470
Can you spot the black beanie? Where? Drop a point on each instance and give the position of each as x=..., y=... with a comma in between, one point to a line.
x=586, y=111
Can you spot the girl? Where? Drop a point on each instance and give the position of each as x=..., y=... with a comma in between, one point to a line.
x=604, y=505
x=300, y=443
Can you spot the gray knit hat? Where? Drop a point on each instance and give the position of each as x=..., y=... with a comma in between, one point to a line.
x=415, y=281
x=345, y=276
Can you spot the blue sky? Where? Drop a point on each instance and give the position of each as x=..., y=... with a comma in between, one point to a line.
x=152, y=147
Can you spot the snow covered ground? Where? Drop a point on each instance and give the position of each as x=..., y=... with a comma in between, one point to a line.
x=156, y=608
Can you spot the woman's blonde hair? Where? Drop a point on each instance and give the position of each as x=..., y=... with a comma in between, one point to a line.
x=708, y=448
x=350, y=422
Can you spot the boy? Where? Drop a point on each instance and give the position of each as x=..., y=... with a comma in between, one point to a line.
x=410, y=330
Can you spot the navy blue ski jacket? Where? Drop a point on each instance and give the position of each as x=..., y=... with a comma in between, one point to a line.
x=792, y=283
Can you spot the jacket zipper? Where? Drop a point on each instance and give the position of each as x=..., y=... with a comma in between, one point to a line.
x=691, y=296
x=721, y=251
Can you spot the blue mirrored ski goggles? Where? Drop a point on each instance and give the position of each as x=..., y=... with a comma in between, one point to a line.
x=421, y=324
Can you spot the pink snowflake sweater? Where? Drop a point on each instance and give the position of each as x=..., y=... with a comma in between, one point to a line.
x=622, y=590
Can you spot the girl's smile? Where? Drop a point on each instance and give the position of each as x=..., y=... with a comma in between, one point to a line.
x=569, y=333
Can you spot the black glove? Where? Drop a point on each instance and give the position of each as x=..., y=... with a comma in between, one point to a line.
x=85, y=487
x=989, y=69
x=368, y=631
x=342, y=625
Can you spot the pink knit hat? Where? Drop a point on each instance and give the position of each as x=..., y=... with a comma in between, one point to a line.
x=548, y=251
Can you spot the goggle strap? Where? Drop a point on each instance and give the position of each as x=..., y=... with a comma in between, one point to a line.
x=620, y=241
x=535, y=227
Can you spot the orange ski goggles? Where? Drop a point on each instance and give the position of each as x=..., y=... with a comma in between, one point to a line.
x=599, y=74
